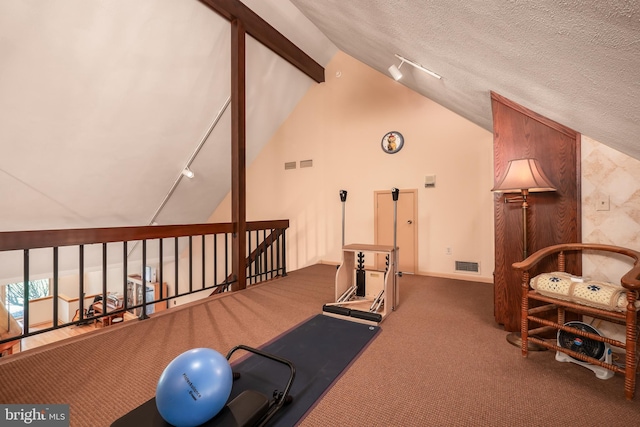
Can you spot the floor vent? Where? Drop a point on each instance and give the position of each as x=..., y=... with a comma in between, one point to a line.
x=466, y=266
x=290, y=165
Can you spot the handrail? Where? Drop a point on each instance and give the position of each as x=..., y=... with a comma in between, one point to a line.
x=54, y=239
x=255, y=257
x=36, y=239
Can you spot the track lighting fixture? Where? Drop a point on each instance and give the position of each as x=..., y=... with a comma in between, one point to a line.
x=397, y=75
x=188, y=173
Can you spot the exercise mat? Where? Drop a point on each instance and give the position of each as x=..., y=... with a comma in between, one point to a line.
x=321, y=349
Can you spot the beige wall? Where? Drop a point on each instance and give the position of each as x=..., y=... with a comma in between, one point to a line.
x=609, y=175
x=339, y=125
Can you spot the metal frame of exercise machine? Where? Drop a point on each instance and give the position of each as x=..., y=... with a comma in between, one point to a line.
x=250, y=408
x=352, y=302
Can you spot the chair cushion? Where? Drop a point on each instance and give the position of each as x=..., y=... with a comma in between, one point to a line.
x=567, y=287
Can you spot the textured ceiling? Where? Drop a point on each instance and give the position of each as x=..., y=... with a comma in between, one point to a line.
x=576, y=62
x=102, y=102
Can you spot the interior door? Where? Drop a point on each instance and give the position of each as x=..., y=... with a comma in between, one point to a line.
x=406, y=226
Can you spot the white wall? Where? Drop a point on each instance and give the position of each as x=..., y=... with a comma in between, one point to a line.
x=339, y=125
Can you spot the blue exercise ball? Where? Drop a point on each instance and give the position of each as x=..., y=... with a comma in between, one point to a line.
x=194, y=387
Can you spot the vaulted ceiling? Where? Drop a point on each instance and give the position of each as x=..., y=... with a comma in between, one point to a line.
x=103, y=103
x=574, y=61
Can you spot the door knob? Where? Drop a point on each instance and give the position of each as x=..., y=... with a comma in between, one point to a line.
x=409, y=222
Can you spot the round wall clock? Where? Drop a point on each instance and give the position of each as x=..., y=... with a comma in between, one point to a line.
x=392, y=142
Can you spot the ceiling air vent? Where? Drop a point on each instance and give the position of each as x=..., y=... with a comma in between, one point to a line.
x=289, y=165
x=306, y=163
x=467, y=266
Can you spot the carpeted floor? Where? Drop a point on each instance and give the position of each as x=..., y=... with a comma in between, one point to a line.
x=440, y=359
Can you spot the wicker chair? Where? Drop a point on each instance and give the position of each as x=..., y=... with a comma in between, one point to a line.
x=550, y=299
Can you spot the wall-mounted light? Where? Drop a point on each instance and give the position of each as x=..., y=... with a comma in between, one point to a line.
x=397, y=75
x=188, y=173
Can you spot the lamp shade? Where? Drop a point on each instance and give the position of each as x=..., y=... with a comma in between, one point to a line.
x=523, y=174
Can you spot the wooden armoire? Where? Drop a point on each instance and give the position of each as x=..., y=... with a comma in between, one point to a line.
x=553, y=217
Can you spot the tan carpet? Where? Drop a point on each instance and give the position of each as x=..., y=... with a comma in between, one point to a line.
x=439, y=360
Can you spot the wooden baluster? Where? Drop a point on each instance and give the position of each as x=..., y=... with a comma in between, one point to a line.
x=630, y=346
x=524, y=321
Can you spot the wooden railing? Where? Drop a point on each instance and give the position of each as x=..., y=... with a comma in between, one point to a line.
x=189, y=258
x=261, y=261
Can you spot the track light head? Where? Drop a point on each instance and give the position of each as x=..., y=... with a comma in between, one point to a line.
x=395, y=72
x=188, y=173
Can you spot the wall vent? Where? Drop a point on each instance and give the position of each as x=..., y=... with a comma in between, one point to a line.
x=289, y=165
x=306, y=163
x=467, y=266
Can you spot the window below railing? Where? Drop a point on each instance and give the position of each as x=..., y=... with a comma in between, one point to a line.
x=12, y=295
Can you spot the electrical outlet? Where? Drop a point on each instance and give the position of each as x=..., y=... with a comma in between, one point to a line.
x=603, y=203
x=448, y=251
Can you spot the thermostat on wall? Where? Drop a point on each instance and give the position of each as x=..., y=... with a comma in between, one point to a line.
x=429, y=181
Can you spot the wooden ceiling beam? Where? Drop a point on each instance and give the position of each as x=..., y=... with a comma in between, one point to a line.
x=263, y=32
x=238, y=155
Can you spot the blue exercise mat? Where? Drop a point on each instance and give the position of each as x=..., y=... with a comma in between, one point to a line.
x=321, y=349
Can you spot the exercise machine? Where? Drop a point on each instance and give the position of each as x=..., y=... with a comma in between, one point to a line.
x=253, y=408
x=355, y=298
x=250, y=408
